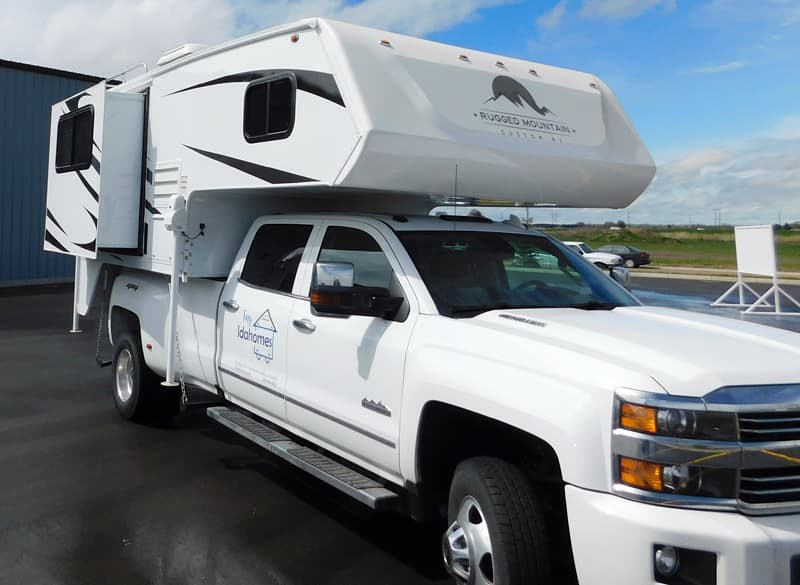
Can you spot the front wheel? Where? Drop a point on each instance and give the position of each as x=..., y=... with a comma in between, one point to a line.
x=496, y=534
x=137, y=392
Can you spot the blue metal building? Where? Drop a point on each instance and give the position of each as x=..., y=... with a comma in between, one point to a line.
x=27, y=93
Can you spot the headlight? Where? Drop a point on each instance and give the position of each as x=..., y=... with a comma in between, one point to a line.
x=674, y=450
x=679, y=422
x=678, y=480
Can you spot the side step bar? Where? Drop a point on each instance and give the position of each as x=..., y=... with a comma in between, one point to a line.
x=354, y=484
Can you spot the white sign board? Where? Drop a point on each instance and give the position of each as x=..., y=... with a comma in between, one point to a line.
x=755, y=250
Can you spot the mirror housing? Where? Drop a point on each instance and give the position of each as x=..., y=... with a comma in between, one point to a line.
x=622, y=275
x=333, y=293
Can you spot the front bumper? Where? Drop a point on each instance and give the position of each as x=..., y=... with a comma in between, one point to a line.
x=613, y=539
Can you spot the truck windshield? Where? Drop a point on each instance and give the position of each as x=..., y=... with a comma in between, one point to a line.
x=470, y=272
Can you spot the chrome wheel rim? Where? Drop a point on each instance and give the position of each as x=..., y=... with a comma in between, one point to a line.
x=467, y=546
x=124, y=377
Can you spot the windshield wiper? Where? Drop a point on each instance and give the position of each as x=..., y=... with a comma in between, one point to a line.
x=594, y=306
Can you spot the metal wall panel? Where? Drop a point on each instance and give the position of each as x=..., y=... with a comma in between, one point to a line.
x=26, y=95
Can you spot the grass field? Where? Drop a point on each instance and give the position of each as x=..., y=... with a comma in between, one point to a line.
x=712, y=248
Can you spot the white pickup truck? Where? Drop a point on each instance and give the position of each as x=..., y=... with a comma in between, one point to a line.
x=473, y=373
x=565, y=431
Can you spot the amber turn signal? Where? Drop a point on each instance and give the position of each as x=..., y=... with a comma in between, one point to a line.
x=641, y=474
x=638, y=418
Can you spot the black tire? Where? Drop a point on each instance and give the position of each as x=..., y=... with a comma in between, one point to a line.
x=514, y=517
x=145, y=399
x=630, y=263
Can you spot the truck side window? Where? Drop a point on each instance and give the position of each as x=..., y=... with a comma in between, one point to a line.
x=74, y=140
x=371, y=268
x=274, y=256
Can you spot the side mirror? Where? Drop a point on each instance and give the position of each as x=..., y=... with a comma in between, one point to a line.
x=339, y=274
x=334, y=293
x=622, y=275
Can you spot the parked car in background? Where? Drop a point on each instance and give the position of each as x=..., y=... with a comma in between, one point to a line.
x=632, y=257
x=601, y=259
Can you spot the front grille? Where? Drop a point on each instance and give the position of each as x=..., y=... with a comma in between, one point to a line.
x=770, y=486
x=755, y=427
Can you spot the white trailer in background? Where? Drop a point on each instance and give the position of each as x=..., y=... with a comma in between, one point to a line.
x=755, y=256
x=261, y=206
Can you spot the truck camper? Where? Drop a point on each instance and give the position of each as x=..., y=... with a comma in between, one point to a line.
x=252, y=219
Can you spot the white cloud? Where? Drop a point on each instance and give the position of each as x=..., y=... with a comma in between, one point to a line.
x=713, y=69
x=787, y=129
x=751, y=181
x=622, y=9
x=552, y=18
x=695, y=161
x=103, y=37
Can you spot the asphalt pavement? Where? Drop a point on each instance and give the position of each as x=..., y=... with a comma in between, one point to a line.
x=89, y=499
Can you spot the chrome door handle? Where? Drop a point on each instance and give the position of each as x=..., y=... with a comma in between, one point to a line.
x=305, y=325
x=232, y=305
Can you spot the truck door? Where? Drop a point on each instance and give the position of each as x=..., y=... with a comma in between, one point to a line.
x=346, y=373
x=253, y=317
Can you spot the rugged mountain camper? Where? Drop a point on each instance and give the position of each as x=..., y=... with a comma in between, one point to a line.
x=261, y=207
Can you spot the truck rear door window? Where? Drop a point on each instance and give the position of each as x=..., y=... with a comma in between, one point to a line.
x=274, y=256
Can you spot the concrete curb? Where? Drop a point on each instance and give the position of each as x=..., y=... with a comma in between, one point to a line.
x=793, y=279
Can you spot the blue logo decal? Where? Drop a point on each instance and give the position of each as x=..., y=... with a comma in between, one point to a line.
x=260, y=332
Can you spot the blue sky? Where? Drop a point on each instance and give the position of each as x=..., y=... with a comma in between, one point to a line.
x=690, y=74
x=711, y=85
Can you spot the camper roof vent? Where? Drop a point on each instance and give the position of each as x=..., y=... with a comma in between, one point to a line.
x=179, y=53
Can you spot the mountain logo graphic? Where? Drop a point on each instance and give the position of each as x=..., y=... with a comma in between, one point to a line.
x=516, y=93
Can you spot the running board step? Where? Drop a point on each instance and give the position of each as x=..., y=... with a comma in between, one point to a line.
x=354, y=484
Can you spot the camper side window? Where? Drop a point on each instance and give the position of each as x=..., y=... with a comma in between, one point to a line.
x=269, y=108
x=74, y=140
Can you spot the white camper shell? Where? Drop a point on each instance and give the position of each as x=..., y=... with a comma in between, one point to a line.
x=322, y=115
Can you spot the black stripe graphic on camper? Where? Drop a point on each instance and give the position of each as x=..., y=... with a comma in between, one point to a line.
x=50, y=239
x=151, y=209
x=72, y=103
x=267, y=174
x=90, y=246
x=53, y=219
x=316, y=82
x=89, y=188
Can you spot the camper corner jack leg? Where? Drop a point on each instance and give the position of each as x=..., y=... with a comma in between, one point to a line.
x=76, y=326
x=174, y=221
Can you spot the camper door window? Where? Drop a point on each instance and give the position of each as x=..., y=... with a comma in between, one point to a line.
x=269, y=108
x=74, y=140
